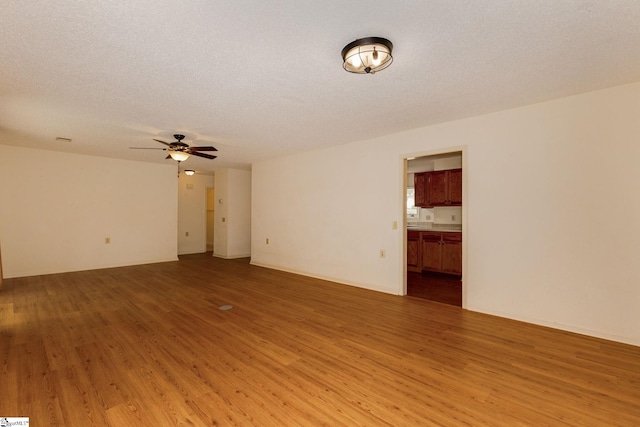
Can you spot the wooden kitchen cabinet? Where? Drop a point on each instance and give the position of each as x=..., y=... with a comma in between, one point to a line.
x=414, y=252
x=420, y=189
x=438, y=188
x=452, y=253
x=455, y=187
x=442, y=252
x=444, y=188
x=431, y=253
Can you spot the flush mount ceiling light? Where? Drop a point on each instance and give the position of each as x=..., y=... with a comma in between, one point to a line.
x=368, y=55
x=189, y=172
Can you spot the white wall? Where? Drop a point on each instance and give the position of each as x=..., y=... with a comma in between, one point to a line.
x=192, y=212
x=56, y=210
x=447, y=215
x=329, y=213
x=444, y=163
x=541, y=186
x=232, y=214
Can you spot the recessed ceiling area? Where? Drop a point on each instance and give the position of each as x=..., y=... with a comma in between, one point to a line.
x=260, y=79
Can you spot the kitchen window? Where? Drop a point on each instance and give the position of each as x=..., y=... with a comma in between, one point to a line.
x=413, y=211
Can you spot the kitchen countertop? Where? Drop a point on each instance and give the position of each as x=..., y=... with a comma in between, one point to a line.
x=456, y=228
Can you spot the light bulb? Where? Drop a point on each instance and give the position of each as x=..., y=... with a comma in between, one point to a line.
x=376, y=59
x=355, y=60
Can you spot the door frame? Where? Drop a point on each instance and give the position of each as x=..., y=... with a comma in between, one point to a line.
x=465, y=207
x=206, y=219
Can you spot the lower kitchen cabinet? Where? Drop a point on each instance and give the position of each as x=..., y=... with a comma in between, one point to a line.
x=442, y=252
x=452, y=253
x=431, y=251
x=413, y=251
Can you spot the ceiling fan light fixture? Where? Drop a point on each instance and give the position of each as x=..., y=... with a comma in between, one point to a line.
x=179, y=156
x=189, y=172
x=180, y=151
x=367, y=55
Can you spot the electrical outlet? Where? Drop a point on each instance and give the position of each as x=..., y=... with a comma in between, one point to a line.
x=382, y=254
x=394, y=225
x=107, y=240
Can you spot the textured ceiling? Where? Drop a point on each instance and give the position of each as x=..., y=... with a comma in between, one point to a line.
x=264, y=78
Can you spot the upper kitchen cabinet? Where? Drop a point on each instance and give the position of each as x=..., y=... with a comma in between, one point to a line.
x=455, y=187
x=439, y=188
x=420, y=189
x=445, y=188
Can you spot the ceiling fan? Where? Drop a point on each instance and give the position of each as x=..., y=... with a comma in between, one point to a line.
x=179, y=150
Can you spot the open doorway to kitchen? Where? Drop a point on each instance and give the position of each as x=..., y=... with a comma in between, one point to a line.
x=210, y=217
x=434, y=227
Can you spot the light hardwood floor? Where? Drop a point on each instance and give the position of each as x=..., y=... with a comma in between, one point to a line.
x=148, y=346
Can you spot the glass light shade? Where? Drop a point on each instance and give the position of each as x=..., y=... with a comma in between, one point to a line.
x=189, y=172
x=368, y=55
x=179, y=156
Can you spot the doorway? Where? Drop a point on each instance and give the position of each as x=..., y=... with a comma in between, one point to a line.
x=434, y=228
x=210, y=218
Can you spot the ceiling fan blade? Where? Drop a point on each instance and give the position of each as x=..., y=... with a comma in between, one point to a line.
x=208, y=148
x=168, y=157
x=162, y=142
x=206, y=156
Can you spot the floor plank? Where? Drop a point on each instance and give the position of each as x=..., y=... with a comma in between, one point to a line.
x=148, y=346
x=438, y=287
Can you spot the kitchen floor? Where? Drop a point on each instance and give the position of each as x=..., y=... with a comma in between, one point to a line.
x=437, y=287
